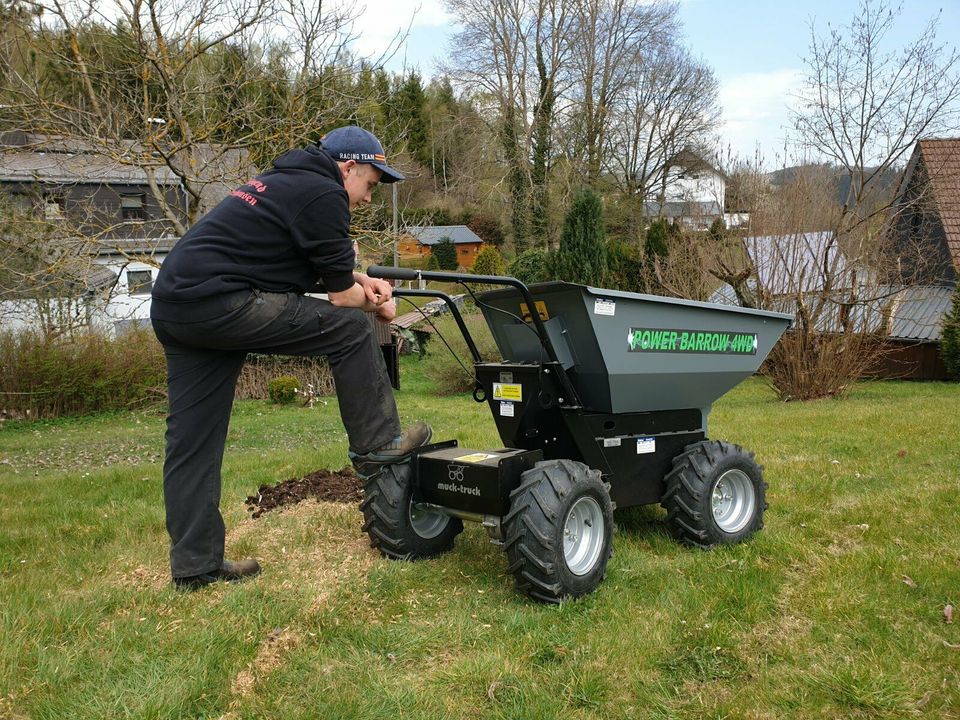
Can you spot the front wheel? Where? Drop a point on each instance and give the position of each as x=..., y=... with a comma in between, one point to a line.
x=398, y=527
x=559, y=530
x=715, y=494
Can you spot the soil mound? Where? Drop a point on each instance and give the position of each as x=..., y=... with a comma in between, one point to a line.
x=332, y=486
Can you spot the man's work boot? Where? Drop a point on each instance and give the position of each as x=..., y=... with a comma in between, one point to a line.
x=417, y=435
x=228, y=572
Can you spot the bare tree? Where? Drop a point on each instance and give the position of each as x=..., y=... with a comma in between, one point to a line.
x=612, y=37
x=513, y=53
x=672, y=104
x=865, y=106
x=818, y=245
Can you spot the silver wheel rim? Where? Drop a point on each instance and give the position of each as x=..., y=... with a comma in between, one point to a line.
x=583, y=532
x=734, y=501
x=426, y=521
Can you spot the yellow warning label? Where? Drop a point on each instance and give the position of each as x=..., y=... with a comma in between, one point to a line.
x=541, y=311
x=474, y=458
x=503, y=391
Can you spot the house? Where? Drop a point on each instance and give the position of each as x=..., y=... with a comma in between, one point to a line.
x=418, y=241
x=925, y=218
x=103, y=220
x=908, y=316
x=692, y=192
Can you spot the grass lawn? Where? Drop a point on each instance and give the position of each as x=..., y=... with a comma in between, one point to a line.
x=835, y=610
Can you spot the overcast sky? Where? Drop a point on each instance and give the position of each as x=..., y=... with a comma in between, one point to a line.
x=756, y=48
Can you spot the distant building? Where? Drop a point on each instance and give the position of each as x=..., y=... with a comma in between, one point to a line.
x=692, y=192
x=418, y=242
x=908, y=317
x=925, y=223
x=106, y=218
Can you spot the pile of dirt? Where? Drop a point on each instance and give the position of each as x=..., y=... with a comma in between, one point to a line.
x=340, y=486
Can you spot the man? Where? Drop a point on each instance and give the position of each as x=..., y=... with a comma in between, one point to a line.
x=235, y=284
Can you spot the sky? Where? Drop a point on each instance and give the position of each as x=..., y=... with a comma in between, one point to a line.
x=756, y=48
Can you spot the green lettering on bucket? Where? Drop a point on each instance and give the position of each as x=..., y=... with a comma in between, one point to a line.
x=686, y=341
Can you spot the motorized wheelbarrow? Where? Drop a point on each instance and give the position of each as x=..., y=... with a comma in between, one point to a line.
x=601, y=400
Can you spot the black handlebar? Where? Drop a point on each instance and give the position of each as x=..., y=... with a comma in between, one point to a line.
x=398, y=273
x=392, y=273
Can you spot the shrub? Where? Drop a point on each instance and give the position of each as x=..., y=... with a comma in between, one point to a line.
x=717, y=231
x=950, y=338
x=487, y=229
x=47, y=377
x=531, y=266
x=283, y=389
x=626, y=267
x=313, y=372
x=656, y=240
x=489, y=262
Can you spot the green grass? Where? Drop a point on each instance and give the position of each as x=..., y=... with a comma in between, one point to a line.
x=811, y=619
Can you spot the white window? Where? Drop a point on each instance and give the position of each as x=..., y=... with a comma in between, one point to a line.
x=131, y=207
x=139, y=282
x=52, y=208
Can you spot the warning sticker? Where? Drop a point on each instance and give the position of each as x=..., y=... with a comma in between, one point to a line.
x=503, y=391
x=646, y=445
x=506, y=409
x=611, y=442
x=604, y=307
x=474, y=457
x=541, y=311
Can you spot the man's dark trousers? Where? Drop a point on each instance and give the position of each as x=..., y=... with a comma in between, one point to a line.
x=205, y=348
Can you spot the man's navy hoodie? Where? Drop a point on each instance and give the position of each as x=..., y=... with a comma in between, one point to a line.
x=282, y=231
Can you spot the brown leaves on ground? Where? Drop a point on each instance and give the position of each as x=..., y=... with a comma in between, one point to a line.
x=909, y=582
x=948, y=614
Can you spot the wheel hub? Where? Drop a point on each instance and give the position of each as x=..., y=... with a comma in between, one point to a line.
x=733, y=501
x=583, y=533
x=426, y=521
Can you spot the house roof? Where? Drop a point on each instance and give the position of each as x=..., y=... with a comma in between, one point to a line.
x=136, y=246
x=941, y=156
x=684, y=209
x=432, y=234
x=691, y=161
x=787, y=264
x=916, y=313
x=27, y=157
x=913, y=313
x=79, y=279
x=74, y=168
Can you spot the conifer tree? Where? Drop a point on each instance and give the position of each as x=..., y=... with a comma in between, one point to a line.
x=582, y=255
x=950, y=338
x=446, y=254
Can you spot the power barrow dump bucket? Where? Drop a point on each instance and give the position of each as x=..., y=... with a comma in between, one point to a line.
x=601, y=400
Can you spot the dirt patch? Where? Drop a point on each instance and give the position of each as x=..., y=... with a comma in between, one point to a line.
x=278, y=643
x=332, y=486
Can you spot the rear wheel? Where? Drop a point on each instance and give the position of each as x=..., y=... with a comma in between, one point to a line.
x=559, y=530
x=715, y=494
x=398, y=527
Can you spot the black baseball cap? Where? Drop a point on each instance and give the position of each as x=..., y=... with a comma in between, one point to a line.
x=355, y=143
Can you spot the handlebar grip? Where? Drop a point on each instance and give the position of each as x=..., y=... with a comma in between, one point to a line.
x=392, y=273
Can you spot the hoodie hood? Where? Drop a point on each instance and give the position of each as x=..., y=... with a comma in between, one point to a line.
x=311, y=158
